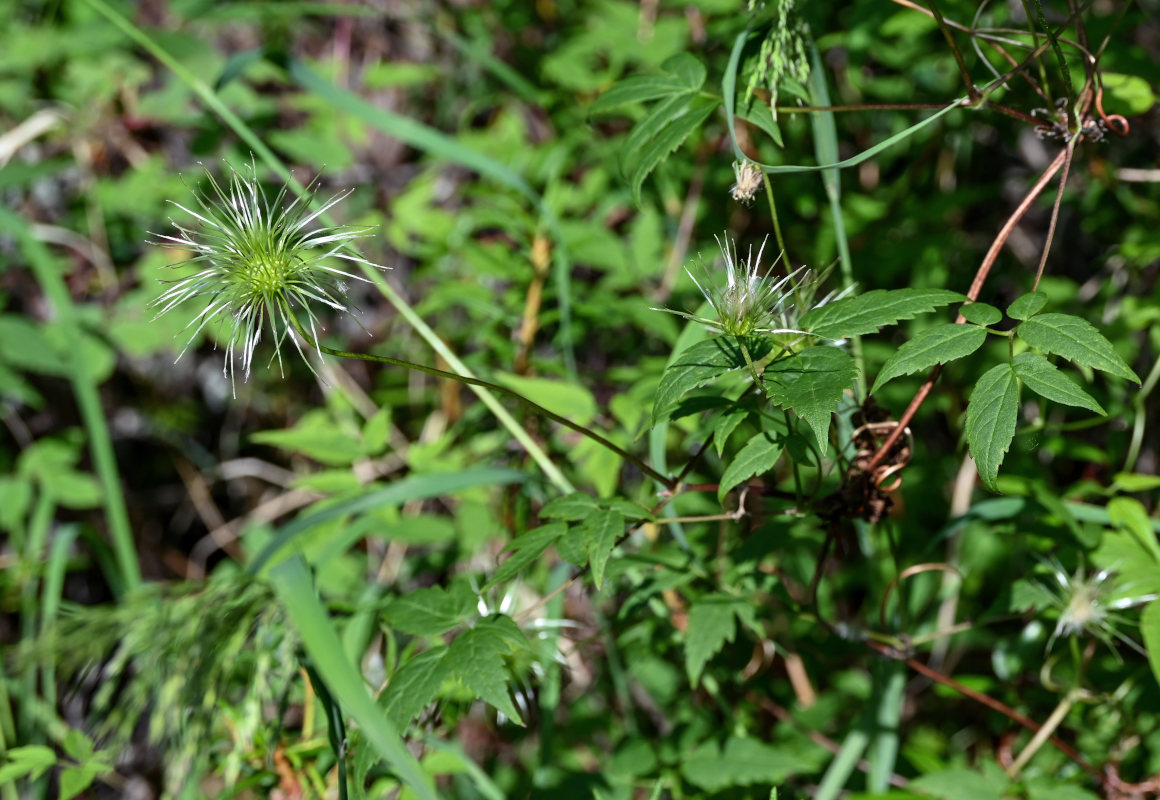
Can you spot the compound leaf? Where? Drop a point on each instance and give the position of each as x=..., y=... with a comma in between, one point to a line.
x=937, y=345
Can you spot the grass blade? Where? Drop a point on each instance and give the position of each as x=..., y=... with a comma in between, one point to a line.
x=295, y=588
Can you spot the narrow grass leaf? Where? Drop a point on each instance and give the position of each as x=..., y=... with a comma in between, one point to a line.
x=291, y=580
x=991, y=418
x=1045, y=379
x=866, y=313
x=1077, y=340
x=937, y=345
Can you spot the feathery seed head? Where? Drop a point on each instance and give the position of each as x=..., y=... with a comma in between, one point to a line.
x=258, y=264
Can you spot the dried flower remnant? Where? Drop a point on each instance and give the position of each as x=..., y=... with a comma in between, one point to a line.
x=258, y=262
x=748, y=181
x=1087, y=604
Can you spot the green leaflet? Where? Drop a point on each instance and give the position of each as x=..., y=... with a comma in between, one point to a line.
x=1044, y=378
x=757, y=457
x=991, y=418
x=1076, y=340
x=866, y=313
x=981, y=313
x=700, y=364
x=937, y=345
x=1027, y=306
x=477, y=659
x=811, y=383
x=600, y=531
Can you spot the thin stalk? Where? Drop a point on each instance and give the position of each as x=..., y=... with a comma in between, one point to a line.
x=946, y=32
x=495, y=387
x=1043, y=734
x=1139, y=423
x=776, y=222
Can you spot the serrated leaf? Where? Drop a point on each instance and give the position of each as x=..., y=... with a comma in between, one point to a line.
x=1045, y=379
x=702, y=363
x=1150, y=631
x=687, y=69
x=1027, y=306
x=981, y=313
x=712, y=623
x=427, y=612
x=937, y=345
x=866, y=313
x=571, y=507
x=812, y=383
x=637, y=89
x=741, y=762
x=991, y=418
x=1076, y=340
x=758, y=456
x=477, y=659
x=640, y=165
x=725, y=423
x=653, y=123
x=526, y=549
x=414, y=685
x=600, y=532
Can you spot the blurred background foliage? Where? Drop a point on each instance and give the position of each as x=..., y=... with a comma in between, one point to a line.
x=701, y=668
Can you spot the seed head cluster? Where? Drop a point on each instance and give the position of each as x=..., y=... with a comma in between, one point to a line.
x=259, y=263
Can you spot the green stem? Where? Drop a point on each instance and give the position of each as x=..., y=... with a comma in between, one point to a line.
x=495, y=387
x=88, y=401
x=776, y=223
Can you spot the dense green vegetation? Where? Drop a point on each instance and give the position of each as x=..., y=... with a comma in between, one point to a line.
x=595, y=399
